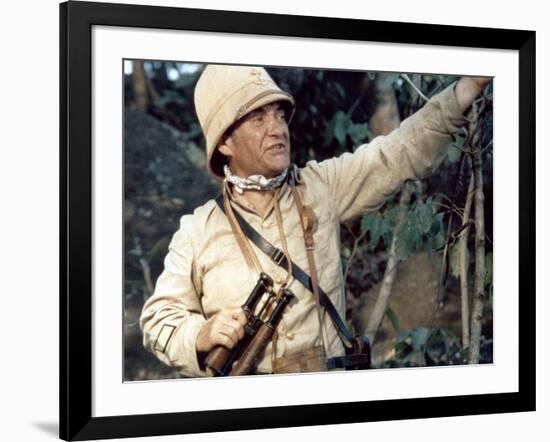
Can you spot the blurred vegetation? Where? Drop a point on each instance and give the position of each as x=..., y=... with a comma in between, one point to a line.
x=165, y=177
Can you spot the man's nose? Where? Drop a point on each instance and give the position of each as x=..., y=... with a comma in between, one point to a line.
x=276, y=126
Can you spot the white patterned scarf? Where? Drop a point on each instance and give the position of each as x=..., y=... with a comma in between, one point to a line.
x=254, y=182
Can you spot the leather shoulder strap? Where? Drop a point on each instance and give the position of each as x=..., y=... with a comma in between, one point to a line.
x=278, y=257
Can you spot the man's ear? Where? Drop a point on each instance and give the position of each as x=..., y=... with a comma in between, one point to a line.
x=226, y=147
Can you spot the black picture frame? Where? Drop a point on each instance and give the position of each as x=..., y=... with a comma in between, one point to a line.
x=76, y=21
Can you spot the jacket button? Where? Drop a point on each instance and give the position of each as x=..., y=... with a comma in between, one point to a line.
x=289, y=336
x=266, y=224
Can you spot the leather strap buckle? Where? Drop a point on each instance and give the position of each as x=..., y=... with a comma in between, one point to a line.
x=278, y=256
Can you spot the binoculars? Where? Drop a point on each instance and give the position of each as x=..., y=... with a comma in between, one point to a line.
x=258, y=331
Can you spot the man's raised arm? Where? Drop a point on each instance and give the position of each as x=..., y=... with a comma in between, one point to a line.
x=361, y=182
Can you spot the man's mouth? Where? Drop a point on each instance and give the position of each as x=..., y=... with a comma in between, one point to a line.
x=276, y=148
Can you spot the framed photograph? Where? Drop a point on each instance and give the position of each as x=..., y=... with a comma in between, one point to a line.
x=140, y=164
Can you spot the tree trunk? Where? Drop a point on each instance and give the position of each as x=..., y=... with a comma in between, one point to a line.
x=463, y=248
x=479, y=284
x=139, y=81
x=386, y=117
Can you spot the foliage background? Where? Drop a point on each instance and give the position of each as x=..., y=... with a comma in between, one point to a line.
x=165, y=177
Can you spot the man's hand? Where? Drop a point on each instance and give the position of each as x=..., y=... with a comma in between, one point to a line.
x=224, y=328
x=468, y=88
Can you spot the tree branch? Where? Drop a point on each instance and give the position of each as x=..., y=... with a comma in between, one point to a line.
x=479, y=281
x=383, y=298
x=353, y=252
x=463, y=247
x=418, y=91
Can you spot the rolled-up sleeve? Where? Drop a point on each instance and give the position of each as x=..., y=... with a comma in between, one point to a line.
x=362, y=181
x=172, y=317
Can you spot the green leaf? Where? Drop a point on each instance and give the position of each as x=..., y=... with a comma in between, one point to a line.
x=439, y=240
x=337, y=128
x=415, y=338
x=401, y=244
x=340, y=132
x=374, y=232
x=435, y=227
x=376, y=226
x=412, y=239
x=329, y=132
x=391, y=214
x=419, y=336
x=341, y=127
x=359, y=133
x=388, y=237
x=366, y=222
x=438, y=346
x=453, y=155
x=425, y=218
x=455, y=149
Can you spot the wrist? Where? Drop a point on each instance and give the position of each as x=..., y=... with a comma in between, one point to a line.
x=200, y=346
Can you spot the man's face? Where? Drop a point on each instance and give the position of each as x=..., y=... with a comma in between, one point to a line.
x=260, y=143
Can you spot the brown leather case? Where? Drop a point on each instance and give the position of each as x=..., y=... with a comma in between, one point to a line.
x=310, y=360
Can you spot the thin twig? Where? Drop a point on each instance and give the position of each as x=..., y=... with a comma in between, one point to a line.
x=441, y=85
x=418, y=91
x=349, y=229
x=353, y=252
x=489, y=144
x=484, y=97
x=443, y=271
x=441, y=194
x=455, y=210
x=456, y=146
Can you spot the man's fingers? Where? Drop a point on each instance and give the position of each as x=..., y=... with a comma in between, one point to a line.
x=239, y=330
x=240, y=316
x=235, y=318
x=481, y=81
x=234, y=329
x=236, y=314
x=226, y=339
x=225, y=328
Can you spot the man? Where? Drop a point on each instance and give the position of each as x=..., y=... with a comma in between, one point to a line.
x=211, y=266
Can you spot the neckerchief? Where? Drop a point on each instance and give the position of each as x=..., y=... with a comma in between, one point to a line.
x=254, y=182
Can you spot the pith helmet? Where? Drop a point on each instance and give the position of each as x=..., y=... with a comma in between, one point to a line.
x=223, y=95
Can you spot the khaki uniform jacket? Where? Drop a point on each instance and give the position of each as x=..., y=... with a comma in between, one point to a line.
x=205, y=271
